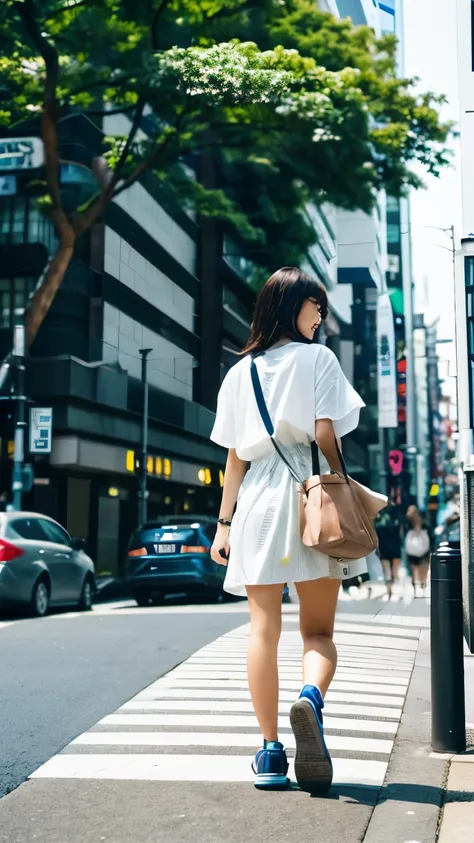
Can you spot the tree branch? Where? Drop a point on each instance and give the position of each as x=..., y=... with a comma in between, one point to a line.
x=66, y=9
x=102, y=83
x=111, y=111
x=150, y=158
x=154, y=21
x=132, y=178
x=123, y=157
x=49, y=116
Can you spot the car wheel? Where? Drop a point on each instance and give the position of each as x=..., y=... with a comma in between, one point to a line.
x=142, y=598
x=87, y=595
x=40, y=598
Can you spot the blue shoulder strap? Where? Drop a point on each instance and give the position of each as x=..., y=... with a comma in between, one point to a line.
x=265, y=415
x=262, y=407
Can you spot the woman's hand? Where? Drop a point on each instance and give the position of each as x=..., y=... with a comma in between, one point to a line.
x=220, y=548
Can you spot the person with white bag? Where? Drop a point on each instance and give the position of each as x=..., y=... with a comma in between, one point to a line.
x=418, y=548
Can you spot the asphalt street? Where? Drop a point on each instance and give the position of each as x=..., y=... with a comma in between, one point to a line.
x=136, y=725
x=60, y=674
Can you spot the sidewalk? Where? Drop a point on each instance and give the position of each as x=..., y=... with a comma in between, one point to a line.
x=457, y=821
x=173, y=763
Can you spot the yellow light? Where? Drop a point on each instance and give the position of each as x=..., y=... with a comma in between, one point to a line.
x=202, y=475
x=149, y=465
x=186, y=506
x=130, y=461
x=434, y=491
x=167, y=468
x=167, y=501
x=113, y=492
x=221, y=478
x=208, y=478
x=11, y=448
x=158, y=466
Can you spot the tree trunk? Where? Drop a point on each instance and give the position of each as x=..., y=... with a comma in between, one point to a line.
x=46, y=292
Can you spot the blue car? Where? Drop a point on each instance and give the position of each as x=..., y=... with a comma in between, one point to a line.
x=173, y=558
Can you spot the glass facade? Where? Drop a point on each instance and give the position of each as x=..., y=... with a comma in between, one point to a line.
x=14, y=296
x=22, y=222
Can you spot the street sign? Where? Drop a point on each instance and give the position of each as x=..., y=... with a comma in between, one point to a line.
x=21, y=154
x=386, y=374
x=395, y=459
x=41, y=430
x=7, y=185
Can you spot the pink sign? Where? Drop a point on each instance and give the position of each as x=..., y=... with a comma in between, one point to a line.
x=395, y=459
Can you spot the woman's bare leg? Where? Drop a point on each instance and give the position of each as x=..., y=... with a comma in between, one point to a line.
x=318, y=601
x=387, y=570
x=423, y=569
x=262, y=660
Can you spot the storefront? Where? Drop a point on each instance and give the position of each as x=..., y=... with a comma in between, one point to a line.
x=91, y=488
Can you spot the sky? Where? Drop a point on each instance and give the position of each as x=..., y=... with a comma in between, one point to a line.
x=430, y=54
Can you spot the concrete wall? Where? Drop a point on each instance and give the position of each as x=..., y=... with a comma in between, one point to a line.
x=129, y=267
x=169, y=368
x=466, y=113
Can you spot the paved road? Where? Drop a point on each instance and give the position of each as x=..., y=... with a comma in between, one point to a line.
x=173, y=761
x=60, y=674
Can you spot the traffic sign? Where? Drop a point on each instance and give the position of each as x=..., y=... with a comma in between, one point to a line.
x=21, y=154
x=41, y=430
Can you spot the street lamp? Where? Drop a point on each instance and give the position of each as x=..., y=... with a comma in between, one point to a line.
x=142, y=491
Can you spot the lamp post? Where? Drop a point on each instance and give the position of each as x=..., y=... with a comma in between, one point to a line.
x=142, y=491
x=20, y=423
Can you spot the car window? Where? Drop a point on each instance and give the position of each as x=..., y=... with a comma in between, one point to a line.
x=55, y=533
x=26, y=528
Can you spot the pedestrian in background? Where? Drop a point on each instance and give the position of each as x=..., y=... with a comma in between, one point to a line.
x=388, y=525
x=307, y=398
x=418, y=548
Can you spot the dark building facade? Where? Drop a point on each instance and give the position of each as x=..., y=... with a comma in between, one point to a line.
x=136, y=281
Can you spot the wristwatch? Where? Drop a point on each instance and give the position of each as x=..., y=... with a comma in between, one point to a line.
x=224, y=522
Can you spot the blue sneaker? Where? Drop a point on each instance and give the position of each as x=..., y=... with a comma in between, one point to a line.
x=271, y=767
x=313, y=766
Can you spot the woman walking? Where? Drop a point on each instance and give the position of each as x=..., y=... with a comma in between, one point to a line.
x=418, y=548
x=389, y=531
x=307, y=398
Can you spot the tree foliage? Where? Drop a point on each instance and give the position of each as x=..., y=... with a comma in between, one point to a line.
x=292, y=105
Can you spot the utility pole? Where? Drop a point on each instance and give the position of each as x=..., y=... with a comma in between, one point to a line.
x=143, y=492
x=20, y=422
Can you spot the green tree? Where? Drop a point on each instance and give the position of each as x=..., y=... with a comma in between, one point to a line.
x=346, y=161
x=282, y=127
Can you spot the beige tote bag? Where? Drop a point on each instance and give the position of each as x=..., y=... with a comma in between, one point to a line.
x=336, y=512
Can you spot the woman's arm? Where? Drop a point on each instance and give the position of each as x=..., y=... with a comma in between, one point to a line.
x=235, y=471
x=326, y=441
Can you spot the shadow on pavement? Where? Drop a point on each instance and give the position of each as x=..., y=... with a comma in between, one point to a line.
x=417, y=794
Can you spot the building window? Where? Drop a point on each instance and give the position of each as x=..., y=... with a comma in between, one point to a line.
x=393, y=205
x=22, y=222
x=393, y=233
x=234, y=257
x=14, y=296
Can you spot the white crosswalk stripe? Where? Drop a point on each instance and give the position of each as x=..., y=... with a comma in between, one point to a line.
x=204, y=705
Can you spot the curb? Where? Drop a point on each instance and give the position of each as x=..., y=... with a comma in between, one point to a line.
x=409, y=803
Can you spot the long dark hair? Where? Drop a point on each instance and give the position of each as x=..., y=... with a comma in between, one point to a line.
x=278, y=305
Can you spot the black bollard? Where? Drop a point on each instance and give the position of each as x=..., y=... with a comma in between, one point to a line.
x=448, y=713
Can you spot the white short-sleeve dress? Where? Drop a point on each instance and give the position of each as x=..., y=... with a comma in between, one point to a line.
x=301, y=383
